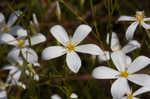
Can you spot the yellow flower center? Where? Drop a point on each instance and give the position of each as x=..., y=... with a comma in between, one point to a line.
x=124, y=74
x=3, y=85
x=70, y=47
x=5, y=29
x=20, y=43
x=130, y=96
x=139, y=16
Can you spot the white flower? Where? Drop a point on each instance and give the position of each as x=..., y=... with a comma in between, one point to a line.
x=115, y=46
x=55, y=96
x=138, y=19
x=74, y=96
x=31, y=72
x=125, y=72
x=16, y=70
x=70, y=46
x=131, y=95
x=3, y=86
x=7, y=27
x=21, y=46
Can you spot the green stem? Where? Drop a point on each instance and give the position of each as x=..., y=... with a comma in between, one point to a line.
x=148, y=33
x=73, y=11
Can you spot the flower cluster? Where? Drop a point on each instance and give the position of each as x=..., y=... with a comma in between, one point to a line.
x=126, y=68
x=23, y=58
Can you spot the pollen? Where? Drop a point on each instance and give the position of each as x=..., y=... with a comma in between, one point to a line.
x=124, y=74
x=130, y=96
x=139, y=16
x=20, y=43
x=70, y=47
x=5, y=29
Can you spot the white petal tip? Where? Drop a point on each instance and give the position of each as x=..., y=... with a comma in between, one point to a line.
x=74, y=96
x=86, y=27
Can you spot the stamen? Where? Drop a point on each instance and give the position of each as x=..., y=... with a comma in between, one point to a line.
x=139, y=16
x=70, y=47
x=130, y=96
x=20, y=43
x=124, y=74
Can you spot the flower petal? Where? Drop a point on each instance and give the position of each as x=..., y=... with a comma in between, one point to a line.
x=130, y=31
x=13, y=17
x=36, y=77
x=119, y=88
x=115, y=45
x=119, y=60
x=8, y=39
x=16, y=76
x=140, y=79
x=35, y=20
x=60, y=34
x=36, y=39
x=29, y=55
x=80, y=33
x=53, y=52
x=138, y=64
x=13, y=55
x=2, y=19
x=21, y=84
x=145, y=25
x=89, y=49
x=3, y=94
x=73, y=61
x=141, y=90
x=102, y=72
x=104, y=57
x=132, y=45
x=36, y=64
x=107, y=38
x=18, y=31
x=55, y=96
x=12, y=69
x=126, y=18
x=146, y=19
x=73, y=96
x=128, y=60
